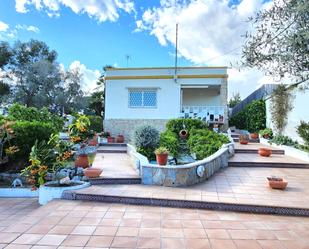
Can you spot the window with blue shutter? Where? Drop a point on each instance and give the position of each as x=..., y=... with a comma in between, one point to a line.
x=143, y=98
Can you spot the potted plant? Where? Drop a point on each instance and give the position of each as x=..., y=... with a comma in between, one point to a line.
x=94, y=141
x=266, y=152
x=266, y=133
x=120, y=138
x=277, y=182
x=82, y=157
x=111, y=139
x=104, y=136
x=254, y=135
x=183, y=134
x=161, y=155
x=92, y=172
x=243, y=139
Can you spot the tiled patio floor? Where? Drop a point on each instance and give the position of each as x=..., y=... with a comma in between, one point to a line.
x=231, y=185
x=115, y=165
x=71, y=224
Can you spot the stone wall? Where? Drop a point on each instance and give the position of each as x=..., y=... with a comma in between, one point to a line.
x=127, y=127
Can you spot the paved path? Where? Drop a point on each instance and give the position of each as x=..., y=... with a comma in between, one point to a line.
x=231, y=185
x=73, y=224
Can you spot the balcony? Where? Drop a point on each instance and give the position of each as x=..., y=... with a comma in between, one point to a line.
x=209, y=114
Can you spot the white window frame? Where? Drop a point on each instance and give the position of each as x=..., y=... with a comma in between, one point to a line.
x=143, y=90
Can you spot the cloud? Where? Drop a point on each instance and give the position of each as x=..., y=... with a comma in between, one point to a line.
x=28, y=28
x=89, y=77
x=210, y=33
x=102, y=10
x=3, y=26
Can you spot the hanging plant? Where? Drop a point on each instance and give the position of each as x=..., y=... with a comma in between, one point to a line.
x=281, y=104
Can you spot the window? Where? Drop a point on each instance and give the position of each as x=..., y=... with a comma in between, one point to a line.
x=143, y=98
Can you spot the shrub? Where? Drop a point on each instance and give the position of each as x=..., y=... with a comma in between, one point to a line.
x=266, y=133
x=283, y=140
x=176, y=125
x=96, y=123
x=303, y=131
x=205, y=142
x=251, y=118
x=170, y=140
x=79, y=130
x=146, y=139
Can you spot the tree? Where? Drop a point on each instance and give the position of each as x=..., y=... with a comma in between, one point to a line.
x=234, y=100
x=5, y=54
x=279, y=44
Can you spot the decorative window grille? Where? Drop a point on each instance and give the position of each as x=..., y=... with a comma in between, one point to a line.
x=142, y=98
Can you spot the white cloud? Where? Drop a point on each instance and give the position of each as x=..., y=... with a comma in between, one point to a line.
x=102, y=10
x=29, y=28
x=89, y=77
x=3, y=26
x=210, y=33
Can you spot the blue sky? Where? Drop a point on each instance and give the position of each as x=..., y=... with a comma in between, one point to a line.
x=93, y=33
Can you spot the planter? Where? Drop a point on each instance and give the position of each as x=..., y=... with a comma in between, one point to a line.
x=92, y=172
x=91, y=157
x=48, y=191
x=243, y=139
x=82, y=161
x=183, y=134
x=265, y=152
x=93, y=142
x=120, y=139
x=277, y=183
x=254, y=136
x=111, y=140
x=18, y=192
x=266, y=136
x=162, y=159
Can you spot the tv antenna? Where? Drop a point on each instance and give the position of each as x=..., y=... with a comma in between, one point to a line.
x=176, y=54
x=128, y=57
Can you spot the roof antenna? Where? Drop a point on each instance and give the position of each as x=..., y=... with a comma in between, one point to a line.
x=128, y=57
x=176, y=54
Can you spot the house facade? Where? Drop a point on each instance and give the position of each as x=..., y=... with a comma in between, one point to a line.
x=137, y=96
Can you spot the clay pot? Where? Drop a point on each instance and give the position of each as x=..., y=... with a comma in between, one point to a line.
x=243, y=139
x=183, y=134
x=82, y=161
x=277, y=183
x=162, y=159
x=111, y=140
x=265, y=152
x=120, y=139
x=92, y=172
x=254, y=136
x=93, y=142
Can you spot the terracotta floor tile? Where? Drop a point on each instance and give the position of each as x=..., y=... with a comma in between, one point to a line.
x=113, y=215
x=217, y=234
x=8, y=237
x=247, y=244
x=263, y=234
x=169, y=243
x=222, y=244
x=89, y=221
x=100, y=241
x=17, y=228
x=15, y=246
x=110, y=222
x=212, y=224
x=127, y=231
x=28, y=239
x=40, y=229
x=172, y=232
x=124, y=242
x=75, y=240
x=292, y=244
x=151, y=223
x=192, y=224
x=171, y=223
x=227, y=224
x=149, y=243
x=70, y=221
x=286, y=235
x=46, y=247
x=197, y=244
x=194, y=233
x=241, y=234
x=97, y=214
x=105, y=230
x=149, y=232
x=271, y=244
x=52, y=239
x=59, y=229
x=83, y=230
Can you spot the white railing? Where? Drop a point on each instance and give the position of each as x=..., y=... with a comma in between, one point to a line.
x=210, y=114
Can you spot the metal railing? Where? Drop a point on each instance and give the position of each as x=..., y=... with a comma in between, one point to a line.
x=210, y=114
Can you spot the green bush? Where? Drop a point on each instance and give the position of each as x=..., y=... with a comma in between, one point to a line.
x=96, y=123
x=266, y=133
x=283, y=140
x=205, y=142
x=176, y=125
x=22, y=113
x=26, y=133
x=146, y=140
x=251, y=118
x=170, y=141
x=303, y=131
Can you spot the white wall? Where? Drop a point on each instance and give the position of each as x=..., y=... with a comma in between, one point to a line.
x=199, y=97
x=300, y=112
x=117, y=103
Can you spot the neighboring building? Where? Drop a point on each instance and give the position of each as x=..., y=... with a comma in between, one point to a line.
x=136, y=96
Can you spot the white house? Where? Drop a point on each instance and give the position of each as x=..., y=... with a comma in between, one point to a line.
x=136, y=96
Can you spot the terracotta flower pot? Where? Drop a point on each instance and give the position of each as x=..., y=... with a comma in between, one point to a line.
x=111, y=140
x=162, y=159
x=277, y=183
x=82, y=161
x=183, y=134
x=92, y=172
x=243, y=139
x=120, y=139
x=93, y=142
x=266, y=136
x=254, y=135
x=265, y=152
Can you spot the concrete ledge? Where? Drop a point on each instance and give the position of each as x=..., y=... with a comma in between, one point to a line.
x=18, y=192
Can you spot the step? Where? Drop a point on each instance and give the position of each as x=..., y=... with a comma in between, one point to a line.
x=113, y=144
x=102, y=180
x=269, y=165
x=250, y=140
x=255, y=151
x=112, y=149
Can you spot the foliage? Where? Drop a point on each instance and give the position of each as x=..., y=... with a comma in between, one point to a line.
x=252, y=117
x=176, y=125
x=170, y=140
x=279, y=44
x=96, y=102
x=96, y=123
x=161, y=150
x=6, y=136
x=146, y=139
x=22, y=113
x=303, y=131
x=283, y=140
x=4, y=90
x=204, y=142
x=280, y=106
x=234, y=100
x=266, y=133
x=80, y=130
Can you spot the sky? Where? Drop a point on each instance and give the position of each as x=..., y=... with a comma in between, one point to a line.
x=90, y=34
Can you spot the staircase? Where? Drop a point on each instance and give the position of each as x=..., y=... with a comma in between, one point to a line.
x=112, y=148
